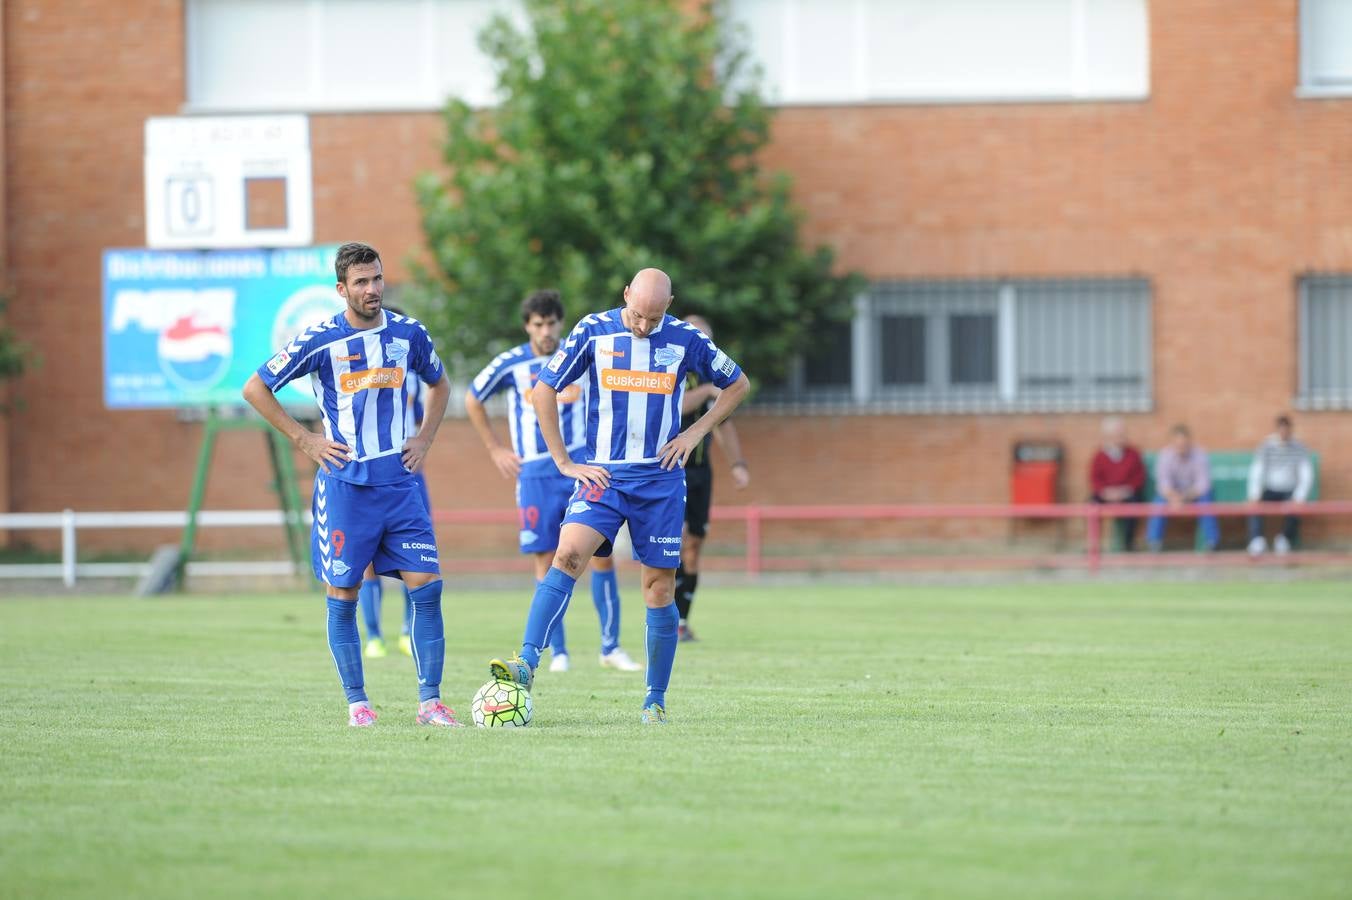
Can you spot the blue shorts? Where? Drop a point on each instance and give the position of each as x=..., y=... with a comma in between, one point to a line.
x=389, y=525
x=653, y=507
x=540, y=502
x=422, y=492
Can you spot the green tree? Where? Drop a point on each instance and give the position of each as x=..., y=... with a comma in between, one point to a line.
x=627, y=136
x=13, y=355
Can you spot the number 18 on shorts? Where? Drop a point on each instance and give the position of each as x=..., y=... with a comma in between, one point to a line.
x=653, y=507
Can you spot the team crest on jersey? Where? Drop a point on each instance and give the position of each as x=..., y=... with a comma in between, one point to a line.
x=669, y=355
x=396, y=351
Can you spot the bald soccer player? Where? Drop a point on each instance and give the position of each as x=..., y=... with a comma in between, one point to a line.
x=635, y=360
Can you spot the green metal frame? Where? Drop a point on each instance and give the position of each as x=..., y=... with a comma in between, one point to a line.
x=284, y=485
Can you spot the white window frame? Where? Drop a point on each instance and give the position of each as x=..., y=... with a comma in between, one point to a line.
x=426, y=95
x=1079, y=87
x=1310, y=85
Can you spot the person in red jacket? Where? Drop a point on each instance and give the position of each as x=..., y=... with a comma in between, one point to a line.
x=1117, y=475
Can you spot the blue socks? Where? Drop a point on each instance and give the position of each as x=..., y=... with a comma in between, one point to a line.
x=429, y=639
x=408, y=613
x=558, y=641
x=606, y=596
x=661, y=638
x=368, y=598
x=546, y=613
x=345, y=644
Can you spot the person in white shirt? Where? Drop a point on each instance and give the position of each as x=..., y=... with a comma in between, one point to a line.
x=1282, y=469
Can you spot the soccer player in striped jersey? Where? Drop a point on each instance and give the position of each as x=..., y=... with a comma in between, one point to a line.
x=367, y=505
x=371, y=593
x=542, y=493
x=634, y=361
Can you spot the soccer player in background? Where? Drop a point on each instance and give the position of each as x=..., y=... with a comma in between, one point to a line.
x=371, y=593
x=634, y=360
x=699, y=485
x=541, y=492
x=367, y=505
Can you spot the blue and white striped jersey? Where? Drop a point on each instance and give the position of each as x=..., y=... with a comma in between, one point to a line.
x=413, y=405
x=358, y=378
x=634, y=385
x=516, y=371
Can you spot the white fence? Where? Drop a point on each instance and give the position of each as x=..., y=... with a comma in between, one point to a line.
x=69, y=523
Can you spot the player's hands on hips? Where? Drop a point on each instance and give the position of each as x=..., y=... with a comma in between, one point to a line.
x=508, y=463
x=677, y=450
x=323, y=451
x=415, y=450
x=591, y=476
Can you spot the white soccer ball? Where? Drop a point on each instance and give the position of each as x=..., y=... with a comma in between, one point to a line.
x=501, y=704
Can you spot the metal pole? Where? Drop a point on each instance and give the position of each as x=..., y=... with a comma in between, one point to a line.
x=288, y=495
x=1094, y=536
x=68, y=547
x=753, y=541
x=199, y=489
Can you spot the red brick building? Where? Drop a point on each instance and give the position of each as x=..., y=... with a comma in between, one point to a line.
x=1215, y=192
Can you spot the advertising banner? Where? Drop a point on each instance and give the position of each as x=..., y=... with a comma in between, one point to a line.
x=188, y=328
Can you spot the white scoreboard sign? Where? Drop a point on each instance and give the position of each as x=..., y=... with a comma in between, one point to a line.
x=228, y=181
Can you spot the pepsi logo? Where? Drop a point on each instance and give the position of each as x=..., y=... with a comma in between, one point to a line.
x=195, y=352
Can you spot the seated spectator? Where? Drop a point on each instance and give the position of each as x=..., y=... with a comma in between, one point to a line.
x=1117, y=475
x=1182, y=476
x=1282, y=469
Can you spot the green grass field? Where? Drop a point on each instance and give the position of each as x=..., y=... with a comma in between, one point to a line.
x=1143, y=740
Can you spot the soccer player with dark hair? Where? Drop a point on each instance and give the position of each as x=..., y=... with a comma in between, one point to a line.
x=541, y=492
x=699, y=485
x=367, y=505
x=634, y=360
x=371, y=593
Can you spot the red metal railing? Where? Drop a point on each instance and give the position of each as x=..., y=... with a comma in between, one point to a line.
x=1093, y=515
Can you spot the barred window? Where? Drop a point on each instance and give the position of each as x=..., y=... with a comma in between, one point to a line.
x=1325, y=342
x=1017, y=345
x=822, y=377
